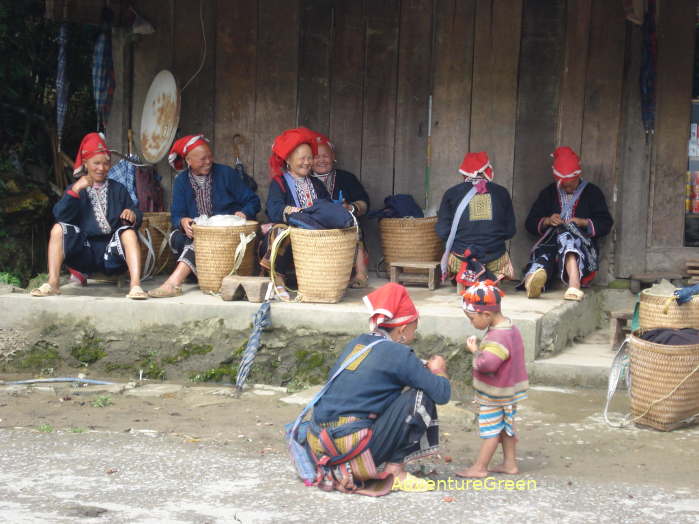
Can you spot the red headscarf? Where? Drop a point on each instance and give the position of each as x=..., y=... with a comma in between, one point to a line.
x=319, y=139
x=91, y=145
x=181, y=147
x=483, y=296
x=566, y=164
x=390, y=306
x=284, y=145
x=476, y=164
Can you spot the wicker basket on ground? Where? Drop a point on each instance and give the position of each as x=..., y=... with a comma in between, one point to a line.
x=323, y=260
x=659, y=371
x=662, y=311
x=159, y=226
x=413, y=239
x=214, y=248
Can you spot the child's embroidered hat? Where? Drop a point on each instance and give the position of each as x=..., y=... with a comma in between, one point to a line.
x=483, y=296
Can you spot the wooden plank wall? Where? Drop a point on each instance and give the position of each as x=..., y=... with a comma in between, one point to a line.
x=512, y=77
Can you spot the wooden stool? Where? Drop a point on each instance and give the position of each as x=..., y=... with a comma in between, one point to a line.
x=619, y=326
x=236, y=287
x=431, y=278
x=101, y=278
x=637, y=281
x=693, y=271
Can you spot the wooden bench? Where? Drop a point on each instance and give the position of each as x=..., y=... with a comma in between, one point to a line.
x=619, y=326
x=693, y=271
x=236, y=287
x=640, y=280
x=101, y=278
x=431, y=277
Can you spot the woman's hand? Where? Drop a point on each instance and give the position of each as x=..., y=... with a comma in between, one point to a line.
x=580, y=222
x=472, y=343
x=83, y=182
x=128, y=215
x=437, y=365
x=553, y=220
x=186, y=225
x=241, y=214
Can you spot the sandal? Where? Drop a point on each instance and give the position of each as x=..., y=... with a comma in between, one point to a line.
x=574, y=294
x=164, y=292
x=534, y=283
x=44, y=290
x=282, y=293
x=359, y=282
x=137, y=293
x=412, y=483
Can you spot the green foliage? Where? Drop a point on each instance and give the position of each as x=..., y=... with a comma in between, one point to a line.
x=89, y=350
x=46, y=428
x=8, y=278
x=187, y=351
x=216, y=374
x=111, y=367
x=102, y=402
x=41, y=355
x=78, y=430
x=150, y=366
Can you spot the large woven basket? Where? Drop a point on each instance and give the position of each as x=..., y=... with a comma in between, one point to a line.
x=159, y=226
x=323, y=261
x=214, y=248
x=656, y=311
x=656, y=370
x=413, y=239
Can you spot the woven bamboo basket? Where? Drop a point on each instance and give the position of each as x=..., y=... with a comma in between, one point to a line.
x=413, y=239
x=656, y=370
x=655, y=311
x=323, y=261
x=159, y=226
x=214, y=248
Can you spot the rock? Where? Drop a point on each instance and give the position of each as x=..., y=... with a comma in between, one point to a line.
x=302, y=397
x=14, y=391
x=50, y=390
x=114, y=389
x=263, y=392
x=278, y=389
x=154, y=390
x=79, y=510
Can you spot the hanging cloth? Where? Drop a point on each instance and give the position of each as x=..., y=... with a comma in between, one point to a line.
x=103, y=81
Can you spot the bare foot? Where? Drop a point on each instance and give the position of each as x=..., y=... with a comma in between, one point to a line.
x=504, y=468
x=473, y=473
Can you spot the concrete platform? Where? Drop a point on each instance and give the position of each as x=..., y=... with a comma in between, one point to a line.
x=547, y=324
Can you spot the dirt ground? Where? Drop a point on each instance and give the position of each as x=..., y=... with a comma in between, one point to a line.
x=562, y=431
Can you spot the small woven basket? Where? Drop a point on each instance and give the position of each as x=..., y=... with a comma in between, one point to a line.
x=159, y=226
x=323, y=260
x=413, y=239
x=214, y=248
x=656, y=370
x=662, y=311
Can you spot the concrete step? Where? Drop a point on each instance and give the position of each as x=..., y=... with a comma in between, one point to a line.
x=583, y=364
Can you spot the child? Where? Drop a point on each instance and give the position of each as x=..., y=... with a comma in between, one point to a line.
x=499, y=378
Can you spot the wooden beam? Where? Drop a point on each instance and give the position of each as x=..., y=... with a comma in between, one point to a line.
x=451, y=94
x=541, y=56
x=314, y=72
x=676, y=34
x=347, y=85
x=414, y=71
x=572, y=98
x=236, y=72
x=494, y=99
x=276, y=78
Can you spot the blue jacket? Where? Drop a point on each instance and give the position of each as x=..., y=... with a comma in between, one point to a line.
x=377, y=381
x=229, y=194
x=78, y=211
x=278, y=198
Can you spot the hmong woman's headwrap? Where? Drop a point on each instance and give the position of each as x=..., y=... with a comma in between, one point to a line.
x=483, y=296
x=566, y=164
x=478, y=170
x=285, y=144
x=91, y=145
x=319, y=139
x=390, y=306
x=181, y=147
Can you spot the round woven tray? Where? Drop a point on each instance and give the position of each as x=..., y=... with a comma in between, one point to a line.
x=323, y=261
x=214, y=248
x=652, y=312
x=159, y=226
x=413, y=239
x=656, y=369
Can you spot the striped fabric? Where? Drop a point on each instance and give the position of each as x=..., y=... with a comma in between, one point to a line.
x=362, y=467
x=490, y=400
x=493, y=420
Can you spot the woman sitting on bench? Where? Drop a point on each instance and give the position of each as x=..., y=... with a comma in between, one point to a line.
x=96, y=224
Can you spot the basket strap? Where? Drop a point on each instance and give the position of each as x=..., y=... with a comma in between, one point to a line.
x=149, y=264
x=618, y=367
x=163, y=246
x=272, y=259
x=240, y=251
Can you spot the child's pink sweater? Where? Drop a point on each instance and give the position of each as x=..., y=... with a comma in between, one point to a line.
x=499, y=372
